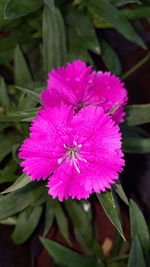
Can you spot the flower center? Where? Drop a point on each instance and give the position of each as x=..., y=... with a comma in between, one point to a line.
x=72, y=154
x=88, y=102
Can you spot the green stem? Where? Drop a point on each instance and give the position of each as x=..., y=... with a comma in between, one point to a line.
x=135, y=67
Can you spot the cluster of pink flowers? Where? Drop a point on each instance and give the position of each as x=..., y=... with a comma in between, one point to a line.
x=75, y=141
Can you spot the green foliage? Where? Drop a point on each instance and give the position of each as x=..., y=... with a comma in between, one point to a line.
x=137, y=114
x=119, y=190
x=19, y=8
x=26, y=224
x=135, y=141
x=22, y=73
x=36, y=36
x=136, y=255
x=67, y=257
x=61, y=220
x=116, y=18
x=49, y=216
x=19, y=200
x=108, y=203
x=110, y=58
x=139, y=227
x=19, y=183
x=83, y=227
x=54, y=48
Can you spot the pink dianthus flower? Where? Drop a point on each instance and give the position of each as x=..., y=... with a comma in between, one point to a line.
x=77, y=86
x=83, y=151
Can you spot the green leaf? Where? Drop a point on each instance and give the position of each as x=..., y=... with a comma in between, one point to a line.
x=19, y=8
x=108, y=203
x=22, y=72
x=61, y=220
x=110, y=58
x=139, y=227
x=31, y=93
x=67, y=257
x=80, y=22
x=119, y=190
x=7, y=141
x=100, y=22
x=82, y=225
x=8, y=55
x=4, y=99
x=3, y=3
x=137, y=13
x=51, y=4
x=16, y=201
x=9, y=221
x=8, y=172
x=120, y=3
x=8, y=25
x=137, y=114
x=136, y=144
x=41, y=200
x=19, y=183
x=115, y=17
x=76, y=49
x=16, y=37
x=49, y=216
x=25, y=115
x=26, y=224
x=136, y=257
x=54, y=39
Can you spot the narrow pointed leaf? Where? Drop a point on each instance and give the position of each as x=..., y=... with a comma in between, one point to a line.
x=108, y=203
x=110, y=58
x=54, y=39
x=51, y=4
x=83, y=226
x=61, y=220
x=19, y=183
x=137, y=114
x=7, y=141
x=31, y=93
x=19, y=8
x=16, y=201
x=4, y=99
x=80, y=22
x=136, y=145
x=26, y=224
x=49, y=216
x=120, y=3
x=119, y=190
x=25, y=115
x=137, y=13
x=115, y=17
x=67, y=257
x=22, y=72
x=139, y=227
x=9, y=221
x=136, y=257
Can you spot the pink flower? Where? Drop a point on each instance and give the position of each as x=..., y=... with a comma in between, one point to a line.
x=83, y=151
x=77, y=86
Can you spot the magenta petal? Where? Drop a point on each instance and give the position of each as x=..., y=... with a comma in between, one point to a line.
x=83, y=151
x=112, y=92
x=65, y=183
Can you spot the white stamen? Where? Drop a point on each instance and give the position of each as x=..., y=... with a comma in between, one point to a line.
x=72, y=155
x=75, y=165
x=63, y=158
